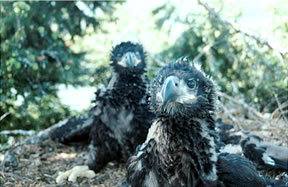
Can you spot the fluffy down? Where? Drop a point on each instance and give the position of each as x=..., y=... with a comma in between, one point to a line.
x=121, y=114
x=181, y=146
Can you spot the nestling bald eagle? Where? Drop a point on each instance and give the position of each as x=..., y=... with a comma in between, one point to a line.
x=265, y=155
x=180, y=149
x=129, y=64
x=122, y=117
x=121, y=114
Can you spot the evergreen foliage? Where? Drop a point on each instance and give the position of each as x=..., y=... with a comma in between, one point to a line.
x=243, y=65
x=36, y=57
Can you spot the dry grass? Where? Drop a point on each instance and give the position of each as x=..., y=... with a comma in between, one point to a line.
x=39, y=163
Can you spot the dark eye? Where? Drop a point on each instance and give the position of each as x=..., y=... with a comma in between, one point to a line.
x=191, y=83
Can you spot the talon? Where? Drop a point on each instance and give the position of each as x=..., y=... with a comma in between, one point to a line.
x=72, y=174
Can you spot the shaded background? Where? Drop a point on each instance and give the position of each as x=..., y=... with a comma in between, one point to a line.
x=54, y=55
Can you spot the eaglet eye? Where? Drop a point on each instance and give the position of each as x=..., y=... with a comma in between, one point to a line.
x=191, y=83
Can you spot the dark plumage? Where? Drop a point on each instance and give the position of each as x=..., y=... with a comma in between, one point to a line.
x=227, y=133
x=234, y=170
x=122, y=118
x=74, y=130
x=180, y=149
x=128, y=61
x=265, y=154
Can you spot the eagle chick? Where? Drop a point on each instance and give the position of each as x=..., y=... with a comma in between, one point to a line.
x=121, y=114
x=180, y=149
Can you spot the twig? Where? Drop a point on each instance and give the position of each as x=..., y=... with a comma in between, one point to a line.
x=4, y=115
x=157, y=60
x=39, y=136
x=228, y=113
x=40, y=87
x=18, y=132
x=229, y=24
x=49, y=176
x=283, y=105
x=243, y=104
x=280, y=107
x=205, y=50
x=16, y=176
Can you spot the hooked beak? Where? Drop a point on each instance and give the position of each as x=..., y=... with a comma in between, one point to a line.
x=130, y=60
x=169, y=91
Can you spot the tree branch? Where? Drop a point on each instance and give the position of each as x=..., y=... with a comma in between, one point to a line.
x=157, y=60
x=4, y=116
x=243, y=104
x=228, y=113
x=18, y=132
x=225, y=23
x=280, y=107
x=205, y=50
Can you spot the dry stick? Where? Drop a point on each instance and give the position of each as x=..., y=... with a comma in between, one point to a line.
x=39, y=136
x=243, y=104
x=283, y=105
x=15, y=176
x=52, y=177
x=235, y=120
x=228, y=24
x=205, y=50
x=4, y=115
x=18, y=132
x=280, y=107
x=157, y=60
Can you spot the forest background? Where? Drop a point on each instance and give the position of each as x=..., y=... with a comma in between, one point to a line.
x=53, y=59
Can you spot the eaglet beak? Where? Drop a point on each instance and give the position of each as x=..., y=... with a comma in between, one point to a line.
x=170, y=88
x=129, y=60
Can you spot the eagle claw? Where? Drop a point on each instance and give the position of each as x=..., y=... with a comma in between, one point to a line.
x=72, y=174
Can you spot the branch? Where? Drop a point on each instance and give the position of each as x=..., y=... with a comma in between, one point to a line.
x=283, y=105
x=18, y=132
x=243, y=104
x=4, y=116
x=230, y=115
x=157, y=60
x=15, y=176
x=205, y=50
x=37, y=137
x=280, y=107
x=229, y=24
